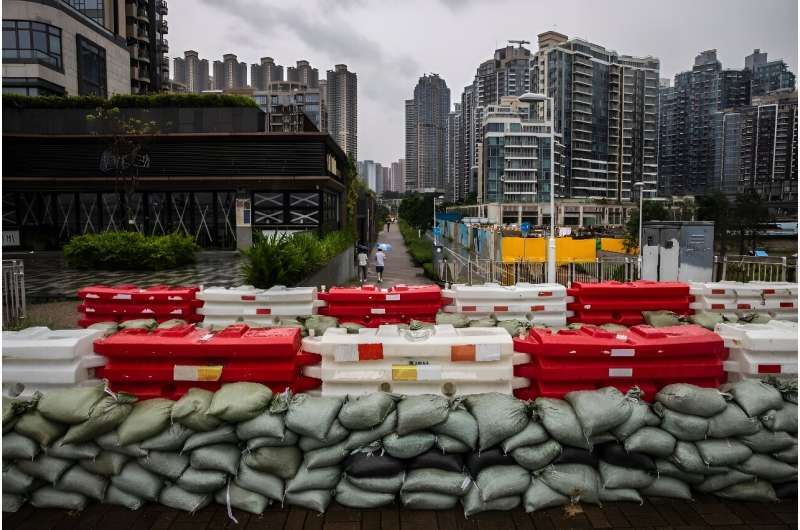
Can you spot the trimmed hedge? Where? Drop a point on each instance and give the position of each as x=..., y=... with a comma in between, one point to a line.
x=125, y=101
x=419, y=248
x=130, y=251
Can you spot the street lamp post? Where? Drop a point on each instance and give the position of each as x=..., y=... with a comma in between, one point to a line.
x=435, y=238
x=640, y=185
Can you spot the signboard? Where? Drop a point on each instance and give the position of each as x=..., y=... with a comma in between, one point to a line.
x=10, y=238
x=437, y=231
x=525, y=228
x=243, y=212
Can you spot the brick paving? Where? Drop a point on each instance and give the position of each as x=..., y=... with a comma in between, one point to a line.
x=705, y=512
x=399, y=267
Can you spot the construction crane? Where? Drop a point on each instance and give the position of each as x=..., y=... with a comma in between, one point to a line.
x=520, y=42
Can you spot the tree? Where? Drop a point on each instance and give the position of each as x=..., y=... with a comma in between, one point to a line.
x=716, y=207
x=750, y=213
x=351, y=182
x=417, y=211
x=653, y=211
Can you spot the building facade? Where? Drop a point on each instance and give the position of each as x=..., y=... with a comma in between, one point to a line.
x=234, y=73
x=146, y=27
x=342, y=101
x=767, y=76
x=283, y=100
x=426, y=132
x=51, y=47
x=453, y=155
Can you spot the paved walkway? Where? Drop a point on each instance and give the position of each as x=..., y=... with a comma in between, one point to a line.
x=399, y=267
x=706, y=512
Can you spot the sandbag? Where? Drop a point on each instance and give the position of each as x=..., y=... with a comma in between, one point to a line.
x=364, y=412
x=72, y=451
x=768, y=442
x=460, y=425
x=612, y=476
x=78, y=480
x=687, y=458
x=436, y=460
x=786, y=490
x=755, y=397
x=431, y=480
x=620, y=495
x=17, y=482
x=573, y=455
x=282, y=462
x=692, y=399
x=109, y=328
x=599, y=411
x=45, y=467
x=408, y=446
x=641, y=416
x=70, y=405
x=147, y=419
x=615, y=453
x=707, y=319
x=13, y=409
x=225, y=434
x=264, y=484
x=788, y=455
x=289, y=439
x=473, y=504
x=326, y=456
x=361, y=465
x=725, y=452
x=241, y=499
x=49, y=497
x=110, y=442
x=12, y=503
x=107, y=463
x=265, y=424
x=767, y=468
x=352, y=497
x=667, y=487
x=202, y=480
x=314, y=479
x=717, y=482
x=107, y=414
x=218, y=457
x=535, y=457
x=316, y=325
x=451, y=445
x=759, y=491
x=179, y=499
x=651, y=441
x=732, y=421
x=140, y=323
x=561, y=422
x=36, y=427
x=317, y=500
x=16, y=446
x=237, y=402
x=515, y=328
x=457, y=320
x=497, y=482
x=427, y=501
x=137, y=481
x=415, y=413
x=312, y=416
x=191, y=410
x=476, y=462
x=336, y=434
x=499, y=416
x=165, y=463
x=533, y=434
x=684, y=427
x=488, y=322
x=389, y=484
x=116, y=496
x=539, y=496
x=784, y=419
x=661, y=319
x=668, y=469
x=576, y=481
x=171, y=439
x=358, y=439
x=172, y=323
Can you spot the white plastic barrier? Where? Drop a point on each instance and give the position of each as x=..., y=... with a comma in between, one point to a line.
x=775, y=299
x=757, y=350
x=442, y=360
x=540, y=303
x=39, y=358
x=224, y=306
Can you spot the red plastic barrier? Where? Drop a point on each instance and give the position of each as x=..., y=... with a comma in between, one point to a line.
x=380, y=309
x=96, y=319
x=628, y=290
x=623, y=303
x=118, y=303
x=142, y=310
x=678, y=305
x=553, y=369
x=371, y=293
x=132, y=293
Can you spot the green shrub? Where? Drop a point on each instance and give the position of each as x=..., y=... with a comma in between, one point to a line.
x=419, y=248
x=127, y=101
x=130, y=251
x=287, y=259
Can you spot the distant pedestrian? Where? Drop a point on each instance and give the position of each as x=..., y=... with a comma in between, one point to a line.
x=362, y=264
x=379, y=263
x=388, y=224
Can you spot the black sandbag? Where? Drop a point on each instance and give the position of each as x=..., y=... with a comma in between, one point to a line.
x=370, y=465
x=786, y=490
x=573, y=455
x=493, y=457
x=436, y=460
x=614, y=453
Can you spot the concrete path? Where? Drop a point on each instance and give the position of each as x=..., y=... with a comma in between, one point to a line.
x=399, y=267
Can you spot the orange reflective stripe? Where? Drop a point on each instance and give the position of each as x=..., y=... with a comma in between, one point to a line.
x=462, y=353
x=370, y=352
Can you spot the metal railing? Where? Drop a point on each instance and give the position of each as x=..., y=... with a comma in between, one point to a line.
x=13, y=291
x=755, y=268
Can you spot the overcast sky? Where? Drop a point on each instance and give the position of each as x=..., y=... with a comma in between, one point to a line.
x=390, y=43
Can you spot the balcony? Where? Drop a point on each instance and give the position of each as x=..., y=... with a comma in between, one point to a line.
x=161, y=7
x=141, y=34
x=163, y=28
x=163, y=46
x=143, y=57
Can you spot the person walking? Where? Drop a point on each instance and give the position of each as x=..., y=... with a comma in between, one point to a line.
x=380, y=257
x=362, y=264
x=388, y=224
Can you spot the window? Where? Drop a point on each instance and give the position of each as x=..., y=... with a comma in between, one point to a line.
x=91, y=68
x=93, y=9
x=26, y=41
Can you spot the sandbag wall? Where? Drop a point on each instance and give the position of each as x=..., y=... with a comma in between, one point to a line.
x=372, y=306
x=278, y=305
x=119, y=303
x=542, y=303
x=776, y=300
x=246, y=448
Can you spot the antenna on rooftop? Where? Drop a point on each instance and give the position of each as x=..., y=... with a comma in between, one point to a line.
x=520, y=42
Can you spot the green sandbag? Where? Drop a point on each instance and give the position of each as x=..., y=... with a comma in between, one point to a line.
x=612, y=477
x=48, y=497
x=415, y=413
x=390, y=484
x=651, y=441
x=327, y=456
x=17, y=482
x=314, y=479
x=732, y=421
x=668, y=469
x=202, y=480
x=12, y=503
x=237, y=402
x=427, y=500
x=171, y=439
x=137, y=481
x=759, y=491
x=460, y=425
x=457, y=320
x=539, y=496
x=316, y=500
x=109, y=328
x=16, y=446
x=351, y=327
x=107, y=463
x=78, y=480
x=224, y=434
x=265, y=424
x=693, y=400
x=116, y=496
x=661, y=319
x=262, y=483
x=110, y=442
x=173, y=323
x=784, y=419
x=220, y=457
x=165, y=463
x=535, y=457
x=289, y=439
x=450, y=446
x=316, y=325
x=147, y=419
x=641, y=416
x=561, y=422
x=488, y=322
x=431, y=480
x=180, y=499
x=719, y=482
x=349, y=495
x=707, y=319
x=106, y=415
x=358, y=439
x=365, y=412
x=45, y=467
x=35, y=426
x=599, y=411
x=473, y=504
x=142, y=323
x=13, y=409
x=72, y=451
x=242, y=499
x=685, y=427
x=311, y=415
x=688, y=459
x=668, y=487
x=282, y=462
x=410, y=445
x=496, y=482
x=726, y=452
x=573, y=480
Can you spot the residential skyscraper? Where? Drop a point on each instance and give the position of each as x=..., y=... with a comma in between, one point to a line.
x=410, y=173
x=342, y=102
x=605, y=111
x=453, y=155
x=767, y=76
x=218, y=75
x=179, y=70
x=426, y=128
x=196, y=72
x=146, y=26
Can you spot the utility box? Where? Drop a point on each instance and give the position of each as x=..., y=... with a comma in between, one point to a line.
x=678, y=251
